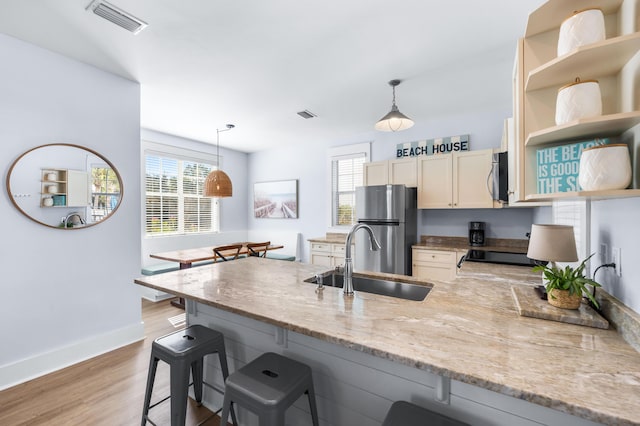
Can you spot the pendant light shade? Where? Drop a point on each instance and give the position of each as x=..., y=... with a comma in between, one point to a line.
x=394, y=121
x=217, y=183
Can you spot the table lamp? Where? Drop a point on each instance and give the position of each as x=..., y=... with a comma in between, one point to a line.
x=553, y=243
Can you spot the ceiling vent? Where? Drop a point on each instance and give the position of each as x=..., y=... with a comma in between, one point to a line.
x=306, y=114
x=117, y=16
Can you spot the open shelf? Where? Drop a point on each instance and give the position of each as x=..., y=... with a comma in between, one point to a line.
x=585, y=62
x=592, y=195
x=539, y=73
x=550, y=15
x=601, y=126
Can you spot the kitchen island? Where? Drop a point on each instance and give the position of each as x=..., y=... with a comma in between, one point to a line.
x=463, y=351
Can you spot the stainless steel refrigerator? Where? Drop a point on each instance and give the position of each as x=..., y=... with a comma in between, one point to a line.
x=390, y=210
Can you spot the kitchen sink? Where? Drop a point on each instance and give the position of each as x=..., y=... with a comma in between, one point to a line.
x=379, y=286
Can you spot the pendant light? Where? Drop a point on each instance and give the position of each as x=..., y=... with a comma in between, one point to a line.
x=395, y=120
x=217, y=183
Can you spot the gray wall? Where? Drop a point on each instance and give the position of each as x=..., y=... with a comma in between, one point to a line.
x=67, y=294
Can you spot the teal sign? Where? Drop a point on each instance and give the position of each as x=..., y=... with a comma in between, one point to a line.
x=444, y=145
x=557, y=167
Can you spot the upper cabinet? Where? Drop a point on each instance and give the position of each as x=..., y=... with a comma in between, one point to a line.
x=65, y=188
x=459, y=180
x=539, y=73
x=395, y=172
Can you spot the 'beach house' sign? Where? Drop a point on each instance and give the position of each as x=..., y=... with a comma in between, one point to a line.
x=435, y=146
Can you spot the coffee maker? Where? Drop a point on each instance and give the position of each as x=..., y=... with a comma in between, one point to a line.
x=476, y=233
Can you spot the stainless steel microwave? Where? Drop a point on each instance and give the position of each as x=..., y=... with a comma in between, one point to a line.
x=500, y=177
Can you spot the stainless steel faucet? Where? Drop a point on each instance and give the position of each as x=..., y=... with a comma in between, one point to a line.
x=348, y=263
x=65, y=221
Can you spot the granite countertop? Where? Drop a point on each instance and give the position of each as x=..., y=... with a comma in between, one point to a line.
x=330, y=238
x=467, y=329
x=428, y=242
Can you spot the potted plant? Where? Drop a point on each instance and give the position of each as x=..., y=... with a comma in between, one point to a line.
x=565, y=287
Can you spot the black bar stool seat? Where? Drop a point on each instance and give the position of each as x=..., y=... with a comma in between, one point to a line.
x=267, y=386
x=184, y=351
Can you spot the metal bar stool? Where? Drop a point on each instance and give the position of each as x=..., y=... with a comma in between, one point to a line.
x=404, y=413
x=268, y=386
x=184, y=350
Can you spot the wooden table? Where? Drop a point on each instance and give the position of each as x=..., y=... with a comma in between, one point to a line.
x=187, y=257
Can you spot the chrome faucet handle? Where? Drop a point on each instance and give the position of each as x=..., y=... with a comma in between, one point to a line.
x=319, y=282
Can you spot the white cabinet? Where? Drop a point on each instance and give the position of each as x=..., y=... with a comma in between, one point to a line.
x=539, y=73
x=376, y=173
x=434, y=264
x=458, y=180
x=64, y=188
x=402, y=171
x=329, y=254
x=77, y=188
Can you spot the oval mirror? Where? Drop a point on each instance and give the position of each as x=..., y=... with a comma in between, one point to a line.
x=64, y=186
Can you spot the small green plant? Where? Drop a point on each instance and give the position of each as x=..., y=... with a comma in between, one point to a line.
x=571, y=279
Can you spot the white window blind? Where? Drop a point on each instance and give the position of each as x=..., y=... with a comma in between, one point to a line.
x=578, y=215
x=346, y=172
x=174, y=204
x=346, y=175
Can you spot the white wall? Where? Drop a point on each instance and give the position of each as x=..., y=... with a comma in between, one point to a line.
x=615, y=223
x=308, y=164
x=233, y=211
x=68, y=294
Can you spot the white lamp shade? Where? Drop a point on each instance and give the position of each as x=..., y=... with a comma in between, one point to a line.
x=553, y=243
x=394, y=121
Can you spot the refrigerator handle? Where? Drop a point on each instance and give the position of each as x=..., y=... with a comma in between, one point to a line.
x=379, y=222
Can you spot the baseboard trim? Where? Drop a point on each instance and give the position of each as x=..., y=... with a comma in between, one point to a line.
x=48, y=362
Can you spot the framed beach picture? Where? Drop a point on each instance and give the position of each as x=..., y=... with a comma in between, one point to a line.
x=276, y=200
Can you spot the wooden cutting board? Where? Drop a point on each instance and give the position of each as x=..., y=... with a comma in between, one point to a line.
x=529, y=304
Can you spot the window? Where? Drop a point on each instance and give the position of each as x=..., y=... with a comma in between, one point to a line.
x=173, y=200
x=105, y=191
x=346, y=171
x=577, y=214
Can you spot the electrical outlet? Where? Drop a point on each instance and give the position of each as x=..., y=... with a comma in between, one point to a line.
x=617, y=259
x=604, y=251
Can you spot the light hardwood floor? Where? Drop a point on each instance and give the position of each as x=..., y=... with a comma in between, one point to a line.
x=105, y=390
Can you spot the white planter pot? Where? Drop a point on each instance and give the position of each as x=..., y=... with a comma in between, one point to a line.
x=582, y=28
x=605, y=167
x=581, y=99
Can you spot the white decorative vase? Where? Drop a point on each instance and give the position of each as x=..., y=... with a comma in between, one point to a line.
x=47, y=202
x=52, y=176
x=580, y=99
x=52, y=189
x=582, y=28
x=605, y=167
